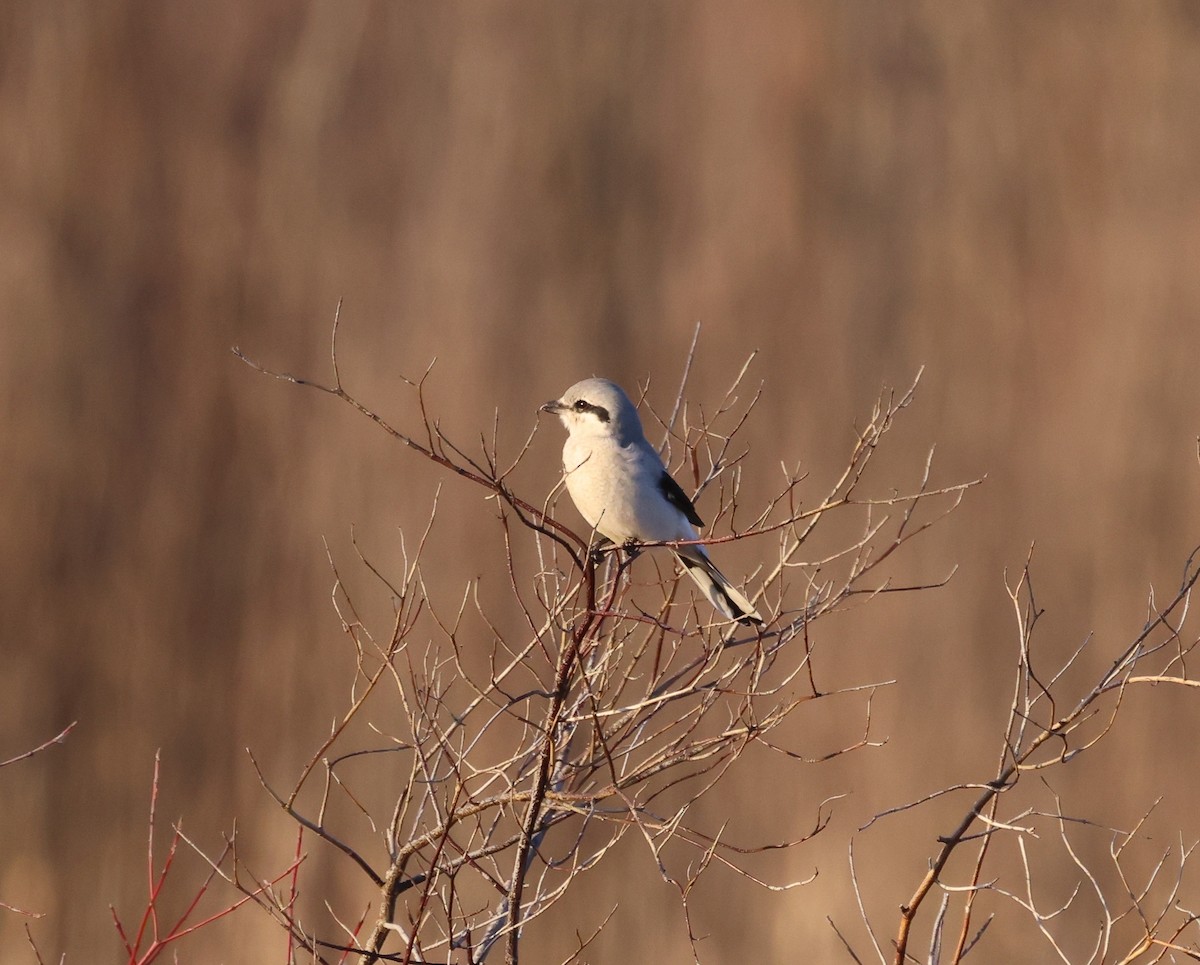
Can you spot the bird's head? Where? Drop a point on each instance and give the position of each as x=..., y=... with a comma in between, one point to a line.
x=597, y=407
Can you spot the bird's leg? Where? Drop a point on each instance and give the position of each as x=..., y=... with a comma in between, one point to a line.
x=597, y=550
x=632, y=548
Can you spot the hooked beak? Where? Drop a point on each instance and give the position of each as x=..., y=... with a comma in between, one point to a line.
x=552, y=406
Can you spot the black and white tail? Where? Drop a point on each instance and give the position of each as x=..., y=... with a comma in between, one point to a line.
x=721, y=593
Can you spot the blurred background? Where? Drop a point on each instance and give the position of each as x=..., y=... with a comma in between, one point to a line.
x=1008, y=195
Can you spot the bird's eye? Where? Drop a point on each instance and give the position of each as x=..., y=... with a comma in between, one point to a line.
x=580, y=405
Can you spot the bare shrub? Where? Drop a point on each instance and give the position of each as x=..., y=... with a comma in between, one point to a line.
x=1129, y=914
x=611, y=712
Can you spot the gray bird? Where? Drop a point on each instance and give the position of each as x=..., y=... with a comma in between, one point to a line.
x=623, y=490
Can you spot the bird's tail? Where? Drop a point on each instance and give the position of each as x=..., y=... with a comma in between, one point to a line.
x=721, y=593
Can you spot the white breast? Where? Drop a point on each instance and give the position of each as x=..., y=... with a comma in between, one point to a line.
x=616, y=490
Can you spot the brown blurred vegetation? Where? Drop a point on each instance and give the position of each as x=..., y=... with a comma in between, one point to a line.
x=533, y=193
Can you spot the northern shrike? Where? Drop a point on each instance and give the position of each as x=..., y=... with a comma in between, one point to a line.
x=620, y=486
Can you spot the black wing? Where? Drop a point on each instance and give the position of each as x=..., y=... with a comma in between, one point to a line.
x=678, y=498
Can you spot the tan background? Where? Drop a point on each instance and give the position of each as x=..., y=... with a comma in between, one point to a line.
x=1005, y=193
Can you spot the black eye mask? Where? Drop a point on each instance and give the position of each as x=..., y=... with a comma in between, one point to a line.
x=582, y=405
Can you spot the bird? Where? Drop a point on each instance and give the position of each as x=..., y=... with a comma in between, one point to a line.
x=624, y=492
